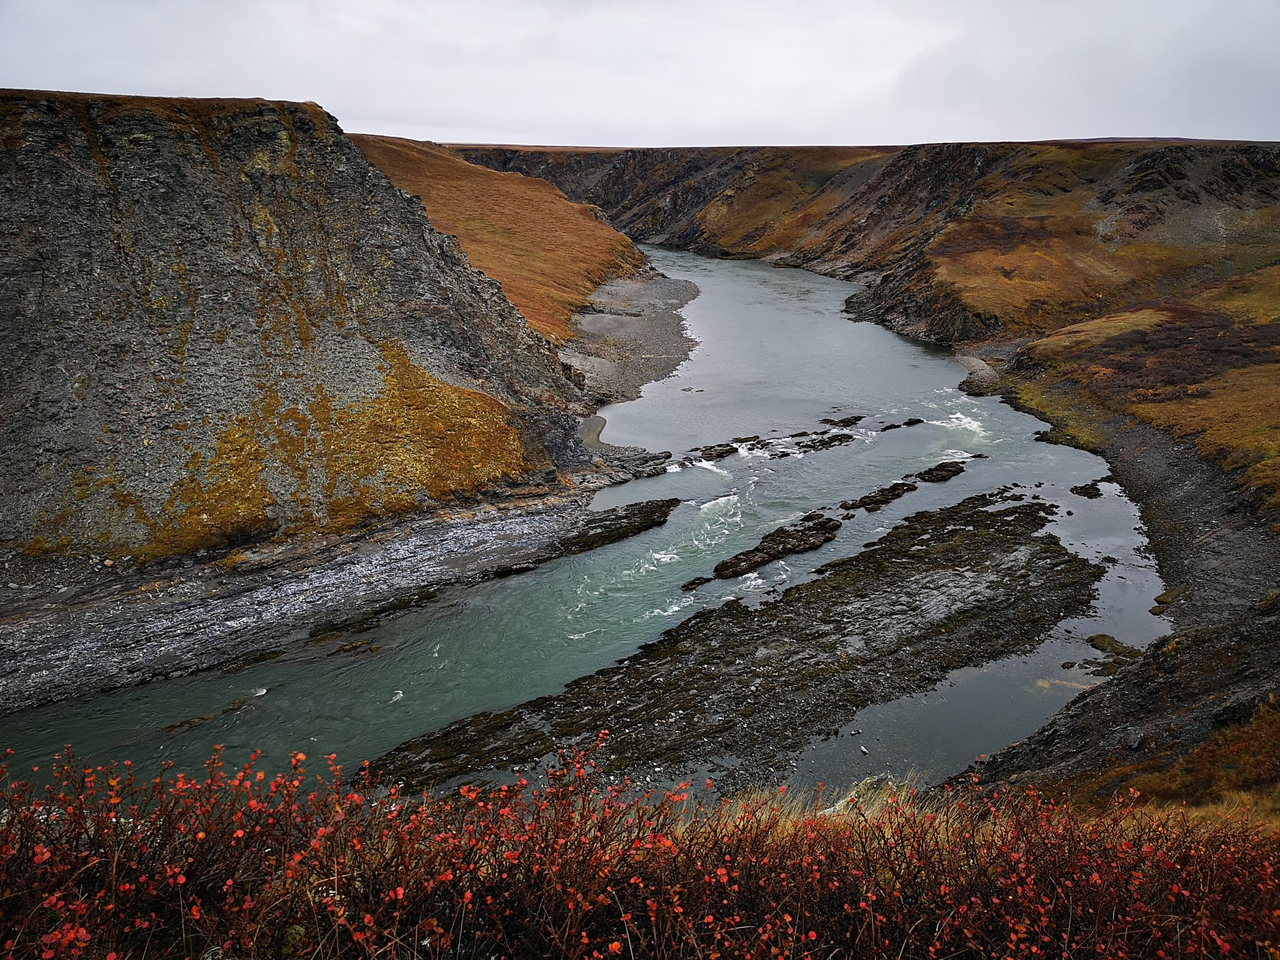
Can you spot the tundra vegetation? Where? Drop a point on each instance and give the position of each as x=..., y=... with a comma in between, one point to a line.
x=235, y=864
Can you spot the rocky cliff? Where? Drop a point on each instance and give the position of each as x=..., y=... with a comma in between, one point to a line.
x=957, y=240
x=220, y=322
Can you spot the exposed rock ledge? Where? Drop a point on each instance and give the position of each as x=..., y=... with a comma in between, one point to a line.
x=177, y=618
x=982, y=380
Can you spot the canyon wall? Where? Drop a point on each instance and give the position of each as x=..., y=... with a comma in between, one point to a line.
x=1142, y=276
x=220, y=322
x=957, y=240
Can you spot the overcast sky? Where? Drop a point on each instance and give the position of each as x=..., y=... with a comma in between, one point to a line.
x=684, y=72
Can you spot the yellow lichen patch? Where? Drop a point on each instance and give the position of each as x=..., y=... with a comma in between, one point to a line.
x=427, y=435
x=333, y=467
x=1066, y=342
x=548, y=254
x=221, y=499
x=1236, y=425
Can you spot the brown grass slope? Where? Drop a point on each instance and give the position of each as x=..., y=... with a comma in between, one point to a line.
x=547, y=253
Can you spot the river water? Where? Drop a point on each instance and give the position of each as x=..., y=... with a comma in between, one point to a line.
x=776, y=357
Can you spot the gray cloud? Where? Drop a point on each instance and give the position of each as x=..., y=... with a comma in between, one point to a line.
x=649, y=72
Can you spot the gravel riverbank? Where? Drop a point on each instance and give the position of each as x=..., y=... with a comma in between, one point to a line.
x=630, y=334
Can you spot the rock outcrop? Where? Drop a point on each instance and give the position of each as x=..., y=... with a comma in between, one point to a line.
x=220, y=322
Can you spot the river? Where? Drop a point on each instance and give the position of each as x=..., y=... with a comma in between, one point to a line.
x=775, y=359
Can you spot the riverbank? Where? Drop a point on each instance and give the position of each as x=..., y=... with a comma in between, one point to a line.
x=629, y=334
x=1218, y=552
x=737, y=690
x=76, y=627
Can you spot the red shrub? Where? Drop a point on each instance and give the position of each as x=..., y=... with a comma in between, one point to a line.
x=100, y=864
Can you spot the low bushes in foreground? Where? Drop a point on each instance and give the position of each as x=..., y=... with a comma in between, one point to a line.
x=235, y=864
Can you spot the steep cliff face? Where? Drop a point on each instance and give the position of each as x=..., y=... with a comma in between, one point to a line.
x=219, y=321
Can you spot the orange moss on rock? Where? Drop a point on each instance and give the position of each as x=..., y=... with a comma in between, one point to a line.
x=418, y=440
x=549, y=254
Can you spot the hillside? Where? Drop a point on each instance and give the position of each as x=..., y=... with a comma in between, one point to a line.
x=548, y=254
x=220, y=323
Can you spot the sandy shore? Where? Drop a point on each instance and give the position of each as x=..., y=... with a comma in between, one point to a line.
x=630, y=334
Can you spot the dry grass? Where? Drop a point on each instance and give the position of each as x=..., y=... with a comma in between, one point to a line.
x=1068, y=342
x=1235, y=773
x=1204, y=364
x=1250, y=298
x=548, y=253
x=1235, y=419
x=782, y=198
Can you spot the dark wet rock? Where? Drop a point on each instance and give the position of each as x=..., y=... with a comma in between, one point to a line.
x=1115, y=655
x=741, y=689
x=878, y=499
x=1181, y=691
x=598, y=529
x=844, y=421
x=942, y=472
x=890, y=426
x=718, y=451
x=695, y=583
x=825, y=441
x=1090, y=491
x=808, y=533
x=913, y=421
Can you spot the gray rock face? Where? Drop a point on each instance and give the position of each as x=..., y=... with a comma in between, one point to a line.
x=219, y=321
